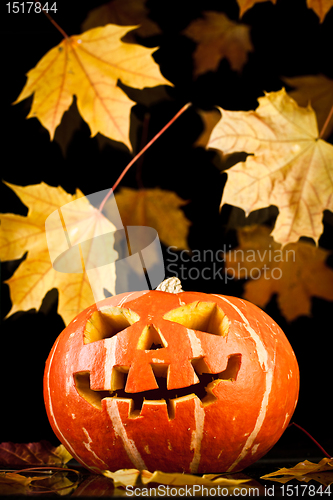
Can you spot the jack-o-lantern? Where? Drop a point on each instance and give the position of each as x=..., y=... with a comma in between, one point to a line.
x=178, y=382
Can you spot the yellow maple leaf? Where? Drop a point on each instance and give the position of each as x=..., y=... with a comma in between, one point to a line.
x=318, y=91
x=289, y=166
x=245, y=5
x=36, y=274
x=89, y=66
x=295, y=272
x=320, y=7
x=218, y=37
x=156, y=208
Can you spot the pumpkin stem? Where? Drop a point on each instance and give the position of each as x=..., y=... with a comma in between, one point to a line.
x=170, y=285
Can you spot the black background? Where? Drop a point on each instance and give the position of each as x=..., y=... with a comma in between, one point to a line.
x=289, y=40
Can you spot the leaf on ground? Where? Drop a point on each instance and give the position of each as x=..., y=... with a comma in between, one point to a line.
x=89, y=66
x=318, y=91
x=126, y=477
x=12, y=483
x=156, y=208
x=183, y=479
x=245, y=5
x=123, y=13
x=37, y=454
x=9, y=478
x=217, y=38
x=20, y=484
x=305, y=471
x=295, y=272
x=36, y=275
x=123, y=477
x=320, y=7
x=288, y=165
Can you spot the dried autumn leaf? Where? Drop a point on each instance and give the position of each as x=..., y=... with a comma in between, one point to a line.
x=19, y=484
x=36, y=274
x=12, y=483
x=130, y=477
x=245, y=5
x=89, y=66
x=320, y=7
x=217, y=38
x=305, y=471
x=289, y=166
x=318, y=91
x=10, y=478
x=177, y=479
x=37, y=454
x=156, y=208
x=123, y=13
x=123, y=477
x=295, y=272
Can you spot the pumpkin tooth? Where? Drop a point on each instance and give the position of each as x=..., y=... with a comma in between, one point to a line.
x=118, y=377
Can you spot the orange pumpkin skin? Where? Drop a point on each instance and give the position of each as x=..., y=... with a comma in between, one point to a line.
x=250, y=398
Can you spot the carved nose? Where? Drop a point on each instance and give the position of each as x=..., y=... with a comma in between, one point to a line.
x=151, y=339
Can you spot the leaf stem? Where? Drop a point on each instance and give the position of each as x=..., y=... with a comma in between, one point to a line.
x=143, y=150
x=64, y=34
x=311, y=437
x=328, y=119
x=143, y=142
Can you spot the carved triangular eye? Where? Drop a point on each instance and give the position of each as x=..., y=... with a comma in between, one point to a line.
x=204, y=316
x=151, y=339
x=107, y=322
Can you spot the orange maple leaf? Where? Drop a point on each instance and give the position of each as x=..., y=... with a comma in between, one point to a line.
x=320, y=7
x=89, y=66
x=156, y=208
x=218, y=37
x=288, y=165
x=295, y=273
x=245, y=5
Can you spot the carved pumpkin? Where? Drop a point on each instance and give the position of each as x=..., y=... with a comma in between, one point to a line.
x=178, y=382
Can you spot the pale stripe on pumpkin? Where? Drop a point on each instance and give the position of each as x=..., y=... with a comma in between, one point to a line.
x=197, y=434
x=263, y=360
x=195, y=343
x=63, y=440
x=89, y=448
x=129, y=445
x=110, y=360
x=124, y=299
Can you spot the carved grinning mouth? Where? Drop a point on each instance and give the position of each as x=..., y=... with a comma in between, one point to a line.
x=203, y=389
